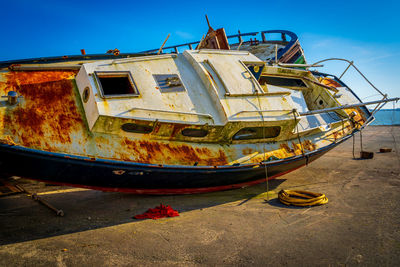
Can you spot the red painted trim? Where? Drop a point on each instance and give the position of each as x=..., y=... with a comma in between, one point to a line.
x=177, y=191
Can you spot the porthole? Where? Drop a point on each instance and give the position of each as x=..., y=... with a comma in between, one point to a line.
x=86, y=94
x=136, y=128
x=257, y=133
x=194, y=132
x=321, y=102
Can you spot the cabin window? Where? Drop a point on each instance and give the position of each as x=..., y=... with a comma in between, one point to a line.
x=280, y=81
x=255, y=69
x=116, y=83
x=194, y=132
x=168, y=83
x=136, y=128
x=257, y=133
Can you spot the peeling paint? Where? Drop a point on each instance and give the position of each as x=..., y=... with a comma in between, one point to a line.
x=50, y=117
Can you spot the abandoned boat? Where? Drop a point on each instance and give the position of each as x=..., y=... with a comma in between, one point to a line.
x=212, y=118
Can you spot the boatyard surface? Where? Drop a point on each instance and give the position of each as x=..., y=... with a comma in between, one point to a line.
x=359, y=225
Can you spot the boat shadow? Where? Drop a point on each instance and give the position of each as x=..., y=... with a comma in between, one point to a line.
x=24, y=219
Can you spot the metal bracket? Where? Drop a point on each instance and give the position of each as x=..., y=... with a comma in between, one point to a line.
x=12, y=97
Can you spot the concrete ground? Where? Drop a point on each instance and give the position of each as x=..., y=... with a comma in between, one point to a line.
x=359, y=225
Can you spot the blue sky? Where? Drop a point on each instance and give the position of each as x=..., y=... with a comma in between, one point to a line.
x=367, y=32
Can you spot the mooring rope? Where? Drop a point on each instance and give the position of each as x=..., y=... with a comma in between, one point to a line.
x=301, y=198
x=391, y=132
x=264, y=151
x=298, y=133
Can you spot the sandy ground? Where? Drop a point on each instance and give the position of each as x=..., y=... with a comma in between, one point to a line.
x=359, y=225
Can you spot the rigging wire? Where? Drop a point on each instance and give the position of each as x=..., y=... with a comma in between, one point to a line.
x=370, y=96
x=354, y=136
x=298, y=134
x=265, y=156
x=391, y=132
x=342, y=121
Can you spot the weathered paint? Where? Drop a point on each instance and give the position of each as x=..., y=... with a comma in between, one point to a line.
x=50, y=117
x=158, y=151
x=346, y=98
x=47, y=115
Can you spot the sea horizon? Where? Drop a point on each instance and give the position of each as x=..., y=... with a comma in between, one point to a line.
x=387, y=117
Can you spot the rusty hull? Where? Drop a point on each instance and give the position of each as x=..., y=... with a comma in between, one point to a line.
x=50, y=117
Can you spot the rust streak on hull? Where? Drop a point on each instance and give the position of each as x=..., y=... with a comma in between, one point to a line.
x=147, y=151
x=48, y=113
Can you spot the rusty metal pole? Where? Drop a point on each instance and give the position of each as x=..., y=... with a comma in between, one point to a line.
x=47, y=204
x=208, y=22
x=351, y=63
x=263, y=37
x=166, y=39
x=35, y=197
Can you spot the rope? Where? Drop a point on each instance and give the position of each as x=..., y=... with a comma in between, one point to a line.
x=301, y=198
x=298, y=135
x=265, y=157
x=342, y=121
x=356, y=123
x=391, y=131
x=354, y=157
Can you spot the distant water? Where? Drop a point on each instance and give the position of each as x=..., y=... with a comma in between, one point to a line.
x=387, y=117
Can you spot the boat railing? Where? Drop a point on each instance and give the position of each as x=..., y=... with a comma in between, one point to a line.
x=351, y=64
x=172, y=49
x=317, y=111
x=239, y=36
x=380, y=103
x=170, y=112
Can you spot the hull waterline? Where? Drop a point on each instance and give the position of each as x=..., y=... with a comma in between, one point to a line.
x=116, y=176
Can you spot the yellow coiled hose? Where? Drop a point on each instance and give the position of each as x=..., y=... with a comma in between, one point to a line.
x=301, y=198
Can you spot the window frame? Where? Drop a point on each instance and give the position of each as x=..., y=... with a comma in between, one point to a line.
x=116, y=74
x=285, y=78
